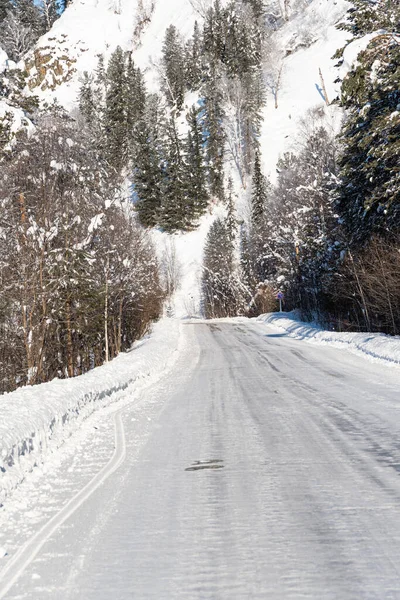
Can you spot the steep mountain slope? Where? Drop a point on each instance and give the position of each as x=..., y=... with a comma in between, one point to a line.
x=307, y=44
x=299, y=71
x=89, y=28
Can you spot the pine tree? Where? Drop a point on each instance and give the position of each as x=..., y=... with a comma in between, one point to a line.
x=30, y=16
x=231, y=221
x=17, y=36
x=259, y=195
x=176, y=211
x=222, y=291
x=135, y=98
x=213, y=32
x=173, y=68
x=247, y=261
x=195, y=168
x=214, y=134
x=257, y=7
x=193, y=62
x=86, y=100
x=147, y=174
x=50, y=11
x=369, y=197
x=5, y=6
x=100, y=72
x=366, y=17
x=115, y=113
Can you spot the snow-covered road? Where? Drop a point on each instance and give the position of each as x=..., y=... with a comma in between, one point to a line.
x=262, y=467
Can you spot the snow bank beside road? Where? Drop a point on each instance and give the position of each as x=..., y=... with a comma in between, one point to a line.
x=37, y=420
x=374, y=346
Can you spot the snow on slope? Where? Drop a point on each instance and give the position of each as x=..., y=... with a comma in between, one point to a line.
x=35, y=421
x=374, y=346
x=301, y=87
x=89, y=28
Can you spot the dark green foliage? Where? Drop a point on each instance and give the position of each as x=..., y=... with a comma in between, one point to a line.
x=135, y=101
x=87, y=104
x=78, y=278
x=147, y=172
x=196, y=177
x=5, y=5
x=175, y=211
x=233, y=37
x=115, y=112
x=259, y=194
x=369, y=192
x=50, y=11
x=12, y=88
x=231, y=220
x=173, y=68
x=30, y=15
x=215, y=136
x=247, y=262
x=257, y=7
x=193, y=60
x=292, y=241
x=5, y=132
x=367, y=16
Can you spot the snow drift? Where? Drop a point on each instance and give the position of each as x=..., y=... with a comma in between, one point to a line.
x=374, y=346
x=37, y=420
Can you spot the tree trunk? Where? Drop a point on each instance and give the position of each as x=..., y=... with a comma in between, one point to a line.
x=70, y=347
x=106, y=312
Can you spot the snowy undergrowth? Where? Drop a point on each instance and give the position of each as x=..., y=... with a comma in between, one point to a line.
x=373, y=346
x=38, y=420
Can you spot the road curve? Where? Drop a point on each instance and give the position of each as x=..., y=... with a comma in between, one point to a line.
x=271, y=471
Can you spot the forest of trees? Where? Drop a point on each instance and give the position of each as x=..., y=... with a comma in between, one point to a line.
x=328, y=233
x=175, y=175
x=79, y=277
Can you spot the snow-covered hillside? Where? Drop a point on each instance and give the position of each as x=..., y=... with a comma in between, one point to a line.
x=307, y=44
x=89, y=28
x=303, y=49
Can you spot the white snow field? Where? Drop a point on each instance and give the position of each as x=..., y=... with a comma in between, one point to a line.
x=259, y=467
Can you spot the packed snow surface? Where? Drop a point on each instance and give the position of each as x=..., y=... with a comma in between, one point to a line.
x=259, y=467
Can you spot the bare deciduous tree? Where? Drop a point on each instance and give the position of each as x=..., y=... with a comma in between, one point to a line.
x=273, y=69
x=15, y=38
